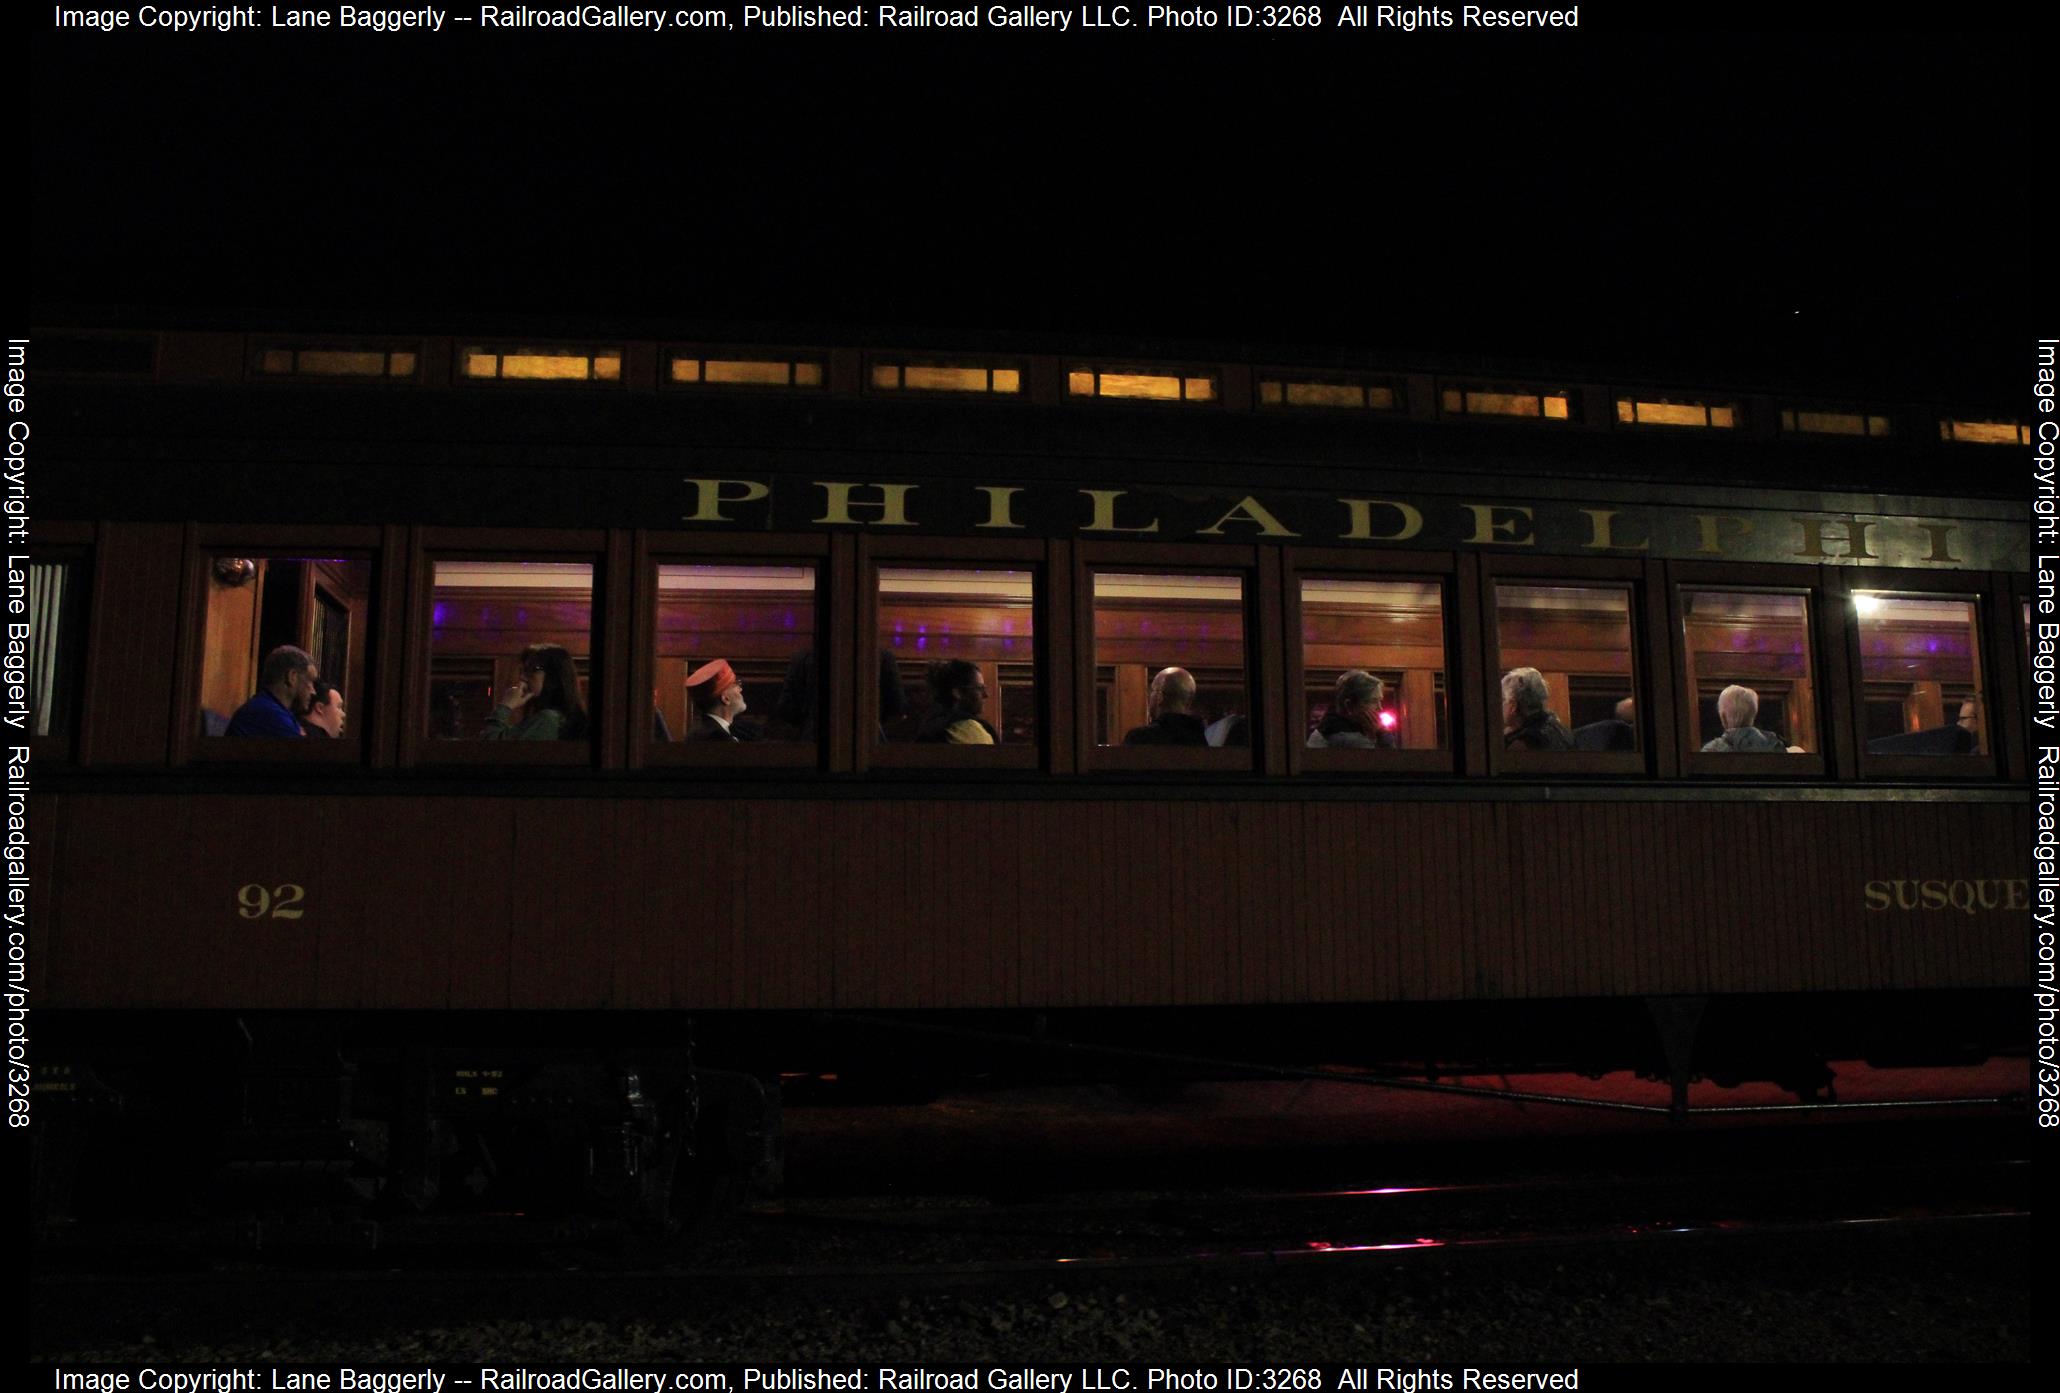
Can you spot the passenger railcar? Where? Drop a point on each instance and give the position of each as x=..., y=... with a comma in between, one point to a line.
x=415, y=968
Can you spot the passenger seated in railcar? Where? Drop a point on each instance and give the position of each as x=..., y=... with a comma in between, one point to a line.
x=1527, y=723
x=1355, y=720
x=324, y=717
x=543, y=703
x=958, y=694
x=1921, y=669
x=718, y=699
x=793, y=714
x=1618, y=733
x=1737, y=707
x=1171, y=708
x=286, y=685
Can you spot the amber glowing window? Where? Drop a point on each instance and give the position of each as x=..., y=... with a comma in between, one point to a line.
x=258, y=604
x=958, y=656
x=1920, y=670
x=541, y=365
x=1147, y=623
x=1537, y=405
x=945, y=377
x=761, y=622
x=390, y=363
x=502, y=637
x=1578, y=639
x=1139, y=384
x=1638, y=411
x=1801, y=422
x=1984, y=432
x=1389, y=630
x=689, y=370
x=1349, y=396
x=1757, y=641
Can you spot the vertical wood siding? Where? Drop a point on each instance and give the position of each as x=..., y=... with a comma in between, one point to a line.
x=483, y=903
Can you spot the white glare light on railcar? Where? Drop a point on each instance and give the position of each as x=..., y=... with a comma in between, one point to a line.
x=1867, y=604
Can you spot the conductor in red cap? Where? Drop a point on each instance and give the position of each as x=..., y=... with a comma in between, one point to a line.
x=718, y=699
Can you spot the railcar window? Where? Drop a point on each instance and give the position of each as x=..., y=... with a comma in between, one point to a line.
x=510, y=643
x=1304, y=392
x=1666, y=411
x=691, y=370
x=735, y=654
x=1141, y=384
x=1984, y=432
x=958, y=656
x=913, y=376
x=306, y=361
x=1577, y=639
x=1169, y=653
x=279, y=633
x=1755, y=646
x=1921, y=674
x=1834, y=423
x=1506, y=401
x=56, y=611
x=1389, y=630
x=541, y=364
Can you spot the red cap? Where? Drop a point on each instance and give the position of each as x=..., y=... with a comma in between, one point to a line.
x=716, y=676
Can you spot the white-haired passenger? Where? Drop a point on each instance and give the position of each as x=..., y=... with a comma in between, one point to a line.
x=1527, y=723
x=1355, y=720
x=1736, y=708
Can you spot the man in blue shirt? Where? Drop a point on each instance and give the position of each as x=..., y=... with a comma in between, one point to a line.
x=286, y=688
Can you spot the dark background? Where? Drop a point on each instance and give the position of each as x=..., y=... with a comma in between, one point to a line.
x=1837, y=206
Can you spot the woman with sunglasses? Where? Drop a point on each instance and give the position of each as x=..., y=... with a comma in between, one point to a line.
x=544, y=703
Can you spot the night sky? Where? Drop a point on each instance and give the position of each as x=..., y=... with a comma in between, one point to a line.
x=1839, y=207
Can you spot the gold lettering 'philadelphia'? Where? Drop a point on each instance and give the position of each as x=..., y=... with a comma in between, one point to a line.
x=1116, y=513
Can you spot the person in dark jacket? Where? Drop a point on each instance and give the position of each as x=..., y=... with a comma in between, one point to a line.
x=1526, y=723
x=718, y=699
x=958, y=694
x=286, y=684
x=1354, y=719
x=1171, y=708
x=1736, y=708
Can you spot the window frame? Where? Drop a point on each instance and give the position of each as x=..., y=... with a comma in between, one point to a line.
x=1212, y=373
x=1396, y=386
x=705, y=353
x=1976, y=586
x=870, y=752
x=1750, y=579
x=2011, y=706
x=655, y=549
x=605, y=553
x=1465, y=386
x=902, y=362
x=1435, y=567
x=67, y=544
x=1259, y=567
x=261, y=344
x=502, y=349
x=1652, y=667
x=360, y=743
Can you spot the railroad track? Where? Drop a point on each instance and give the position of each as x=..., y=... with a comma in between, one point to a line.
x=782, y=1261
